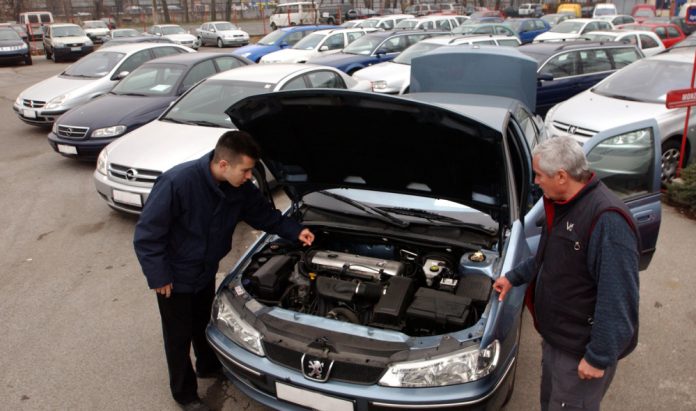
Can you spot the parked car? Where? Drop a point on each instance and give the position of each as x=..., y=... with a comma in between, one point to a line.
x=556, y=18
x=573, y=29
x=421, y=9
x=334, y=13
x=530, y=10
x=394, y=77
x=670, y=34
x=617, y=19
x=35, y=21
x=19, y=29
x=293, y=13
x=118, y=33
x=373, y=48
x=276, y=40
x=604, y=9
x=485, y=28
x=65, y=41
x=127, y=168
x=141, y=97
x=642, y=12
x=676, y=20
x=568, y=68
x=97, y=30
x=361, y=13
x=391, y=308
x=646, y=41
x=175, y=33
x=384, y=22
x=528, y=28
x=13, y=48
x=90, y=77
x=221, y=34
x=430, y=22
x=617, y=101
x=317, y=44
x=349, y=24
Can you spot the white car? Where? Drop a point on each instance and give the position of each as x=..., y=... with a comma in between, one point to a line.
x=127, y=168
x=175, y=33
x=638, y=91
x=96, y=30
x=573, y=29
x=318, y=44
x=221, y=34
x=349, y=24
x=647, y=41
x=390, y=77
x=384, y=22
x=429, y=23
x=88, y=78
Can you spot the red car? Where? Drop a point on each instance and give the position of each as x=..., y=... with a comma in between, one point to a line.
x=642, y=12
x=670, y=34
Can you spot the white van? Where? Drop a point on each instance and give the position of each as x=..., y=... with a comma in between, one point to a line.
x=604, y=9
x=293, y=14
x=34, y=20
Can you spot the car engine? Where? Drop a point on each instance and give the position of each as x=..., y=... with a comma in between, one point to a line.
x=416, y=289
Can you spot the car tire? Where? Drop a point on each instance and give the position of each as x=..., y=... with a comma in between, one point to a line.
x=670, y=160
x=54, y=58
x=28, y=61
x=219, y=43
x=200, y=42
x=47, y=53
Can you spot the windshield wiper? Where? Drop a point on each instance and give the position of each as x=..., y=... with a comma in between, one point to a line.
x=617, y=96
x=131, y=94
x=435, y=217
x=374, y=211
x=204, y=123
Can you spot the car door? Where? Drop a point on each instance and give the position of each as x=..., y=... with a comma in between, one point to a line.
x=595, y=64
x=564, y=68
x=673, y=36
x=627, y=159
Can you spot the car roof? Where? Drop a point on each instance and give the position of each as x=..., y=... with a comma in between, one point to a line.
x=302, y=28
x=131, y=47
x=266, y=73
x=93, y=21
x=456, y=38
x=166, y=25
x=340, y=30
x=391, y=33
x=64, y=25
x=189, y=59
x=216, y=22
x=541, y=51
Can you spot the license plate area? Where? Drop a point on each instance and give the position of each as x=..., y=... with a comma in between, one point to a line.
x=76, y=48
x=29, y=113
x=311, y=399
x=65, y=149
x=127, y=198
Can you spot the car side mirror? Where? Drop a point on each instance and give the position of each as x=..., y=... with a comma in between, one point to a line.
x=283, y=45
x=121, y=75
x=213, y=30
x=323, y=48
x=545, y=76
x=381, y=52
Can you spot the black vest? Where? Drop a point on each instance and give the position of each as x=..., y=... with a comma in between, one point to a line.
x=565, y=292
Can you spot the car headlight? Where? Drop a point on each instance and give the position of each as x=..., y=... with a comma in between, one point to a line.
x=89, y=43
x=231, y=324
x=19, y=101
x=246, y=55
x=102, y=161
x=455, y=368
x=22, y=46
x=55, y=102
x=637, y=137
x=379, y=85
x=58, y=44
x=108, y=131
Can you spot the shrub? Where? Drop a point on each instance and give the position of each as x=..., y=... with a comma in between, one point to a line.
x=683, y=193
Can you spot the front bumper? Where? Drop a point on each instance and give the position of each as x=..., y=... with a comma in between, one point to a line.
x=106, y=188
x=235, y=41
x=37, y=116
x=72, y=52
x=15, y=56
x=261, y=379
x=88, y=149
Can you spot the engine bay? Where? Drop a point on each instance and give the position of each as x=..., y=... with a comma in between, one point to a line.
x=418, y=289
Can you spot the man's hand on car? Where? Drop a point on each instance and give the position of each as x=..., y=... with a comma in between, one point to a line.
x=166, y=290
x=502, y=285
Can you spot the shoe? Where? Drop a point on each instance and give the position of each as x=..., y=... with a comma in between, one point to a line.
x=195, y=405
x=217, y=374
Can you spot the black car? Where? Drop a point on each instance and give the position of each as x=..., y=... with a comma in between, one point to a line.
x=141, y=97
x=568, y=68
x=12, y=47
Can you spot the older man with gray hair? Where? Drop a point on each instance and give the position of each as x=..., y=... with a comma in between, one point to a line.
x=583, y=279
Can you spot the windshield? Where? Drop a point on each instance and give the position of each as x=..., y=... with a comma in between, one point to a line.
x=656, y=78
x=369, y=23
x=9, y=34
x=514, y=24
x=271, y=38
x=605, y=11
x=416, y=50
x=125, y=33
x=67, y=31
x=225, y=26
x=601, y=37
x=572, y=27
x=406, y=24
x=172, y=30
x=208, y=101
x=644, y=13
x=363, y=46
x=95, y=65
x=310, y=42
x=95, y=25
x=151, y=80
x=466, y=29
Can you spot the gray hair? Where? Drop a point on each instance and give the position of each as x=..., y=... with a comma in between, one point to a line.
x=562, y=153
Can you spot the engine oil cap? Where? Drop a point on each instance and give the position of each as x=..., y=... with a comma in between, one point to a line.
x=477, y=257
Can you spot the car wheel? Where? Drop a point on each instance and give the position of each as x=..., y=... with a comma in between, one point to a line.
x=47, y=53
x=219, y=43
x=670, y=160
x=201, y=42
x=54, y=58
x=28, y=61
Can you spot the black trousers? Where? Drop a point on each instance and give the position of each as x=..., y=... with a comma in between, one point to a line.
x=184, y=318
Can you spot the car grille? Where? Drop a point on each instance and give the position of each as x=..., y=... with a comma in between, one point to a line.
x=72, y=131
x=74, y=45
x=33, y=103
x=341, y=371
x=133, y=175
x=574, y=130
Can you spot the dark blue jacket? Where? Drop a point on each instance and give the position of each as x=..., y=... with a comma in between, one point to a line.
x=186, y=226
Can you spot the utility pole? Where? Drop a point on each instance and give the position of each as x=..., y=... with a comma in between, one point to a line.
x=154, y=12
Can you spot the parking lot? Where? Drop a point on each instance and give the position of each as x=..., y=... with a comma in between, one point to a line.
x=81, y=330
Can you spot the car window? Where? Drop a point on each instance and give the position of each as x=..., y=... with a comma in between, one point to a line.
x=135, y=61
x=428, y=25
x=539, y=25
x=562, y=65
x=509, y=43
x=225, y=63
x=594, y=61
x=648, y=42
x=354, y=36
x=485, y=43
x=335, y=42
x=393, y=45
x=386, y=25
x=672, y=32
x=624, y=56
x=504, y=31
x=444, y=24
x=612, y=153
x=484, y=30
x=630, y=39
x=167, y=51
x=325, y=79
x=295, y=84
x=155, y=80
x=293, y=38
x=661, y=32
x=592, y=26
x=200, y=71
x=527, y=125
x=603, y=25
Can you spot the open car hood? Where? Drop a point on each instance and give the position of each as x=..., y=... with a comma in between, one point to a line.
x=318, y=139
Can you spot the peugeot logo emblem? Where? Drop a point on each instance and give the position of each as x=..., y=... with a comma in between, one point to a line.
x=315, y=368
x=131, y=174
x=572, y=129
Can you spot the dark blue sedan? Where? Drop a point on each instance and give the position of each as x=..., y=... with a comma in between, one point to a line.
x=276, y=40
x=141, y=97
x=528, y=28
x=374, y=48
x=12, y=47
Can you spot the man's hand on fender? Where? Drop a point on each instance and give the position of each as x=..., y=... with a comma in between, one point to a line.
x=166, y=290
x=306, y=237
x=502, y=285
x=588, y=372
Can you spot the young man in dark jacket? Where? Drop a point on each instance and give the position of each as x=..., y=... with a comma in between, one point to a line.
x=584, y=278
x=184, y=231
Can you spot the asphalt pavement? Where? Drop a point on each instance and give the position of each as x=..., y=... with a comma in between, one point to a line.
x=80, y=329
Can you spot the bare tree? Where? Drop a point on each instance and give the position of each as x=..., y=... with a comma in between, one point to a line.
x=213, y=10
x=185, y=6
x=228, y=10
x=98, y=8
x=165, y=9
